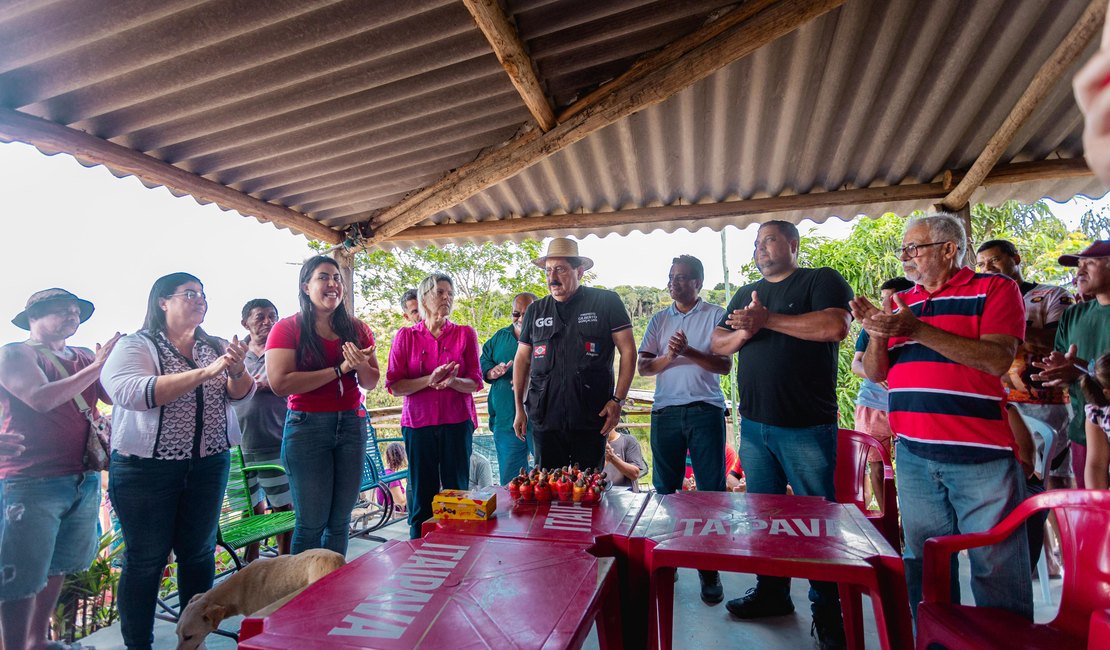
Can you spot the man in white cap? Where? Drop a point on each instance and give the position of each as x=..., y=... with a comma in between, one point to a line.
x=51, y=497
x=564, y=363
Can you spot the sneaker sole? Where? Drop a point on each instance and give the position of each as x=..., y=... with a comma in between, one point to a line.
x=747, y=616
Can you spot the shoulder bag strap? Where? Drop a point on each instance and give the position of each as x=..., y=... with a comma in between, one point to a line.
x=79, y=399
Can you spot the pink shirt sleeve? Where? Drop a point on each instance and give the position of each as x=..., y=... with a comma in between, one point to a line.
x=399, y=357
x=1004, y=310
x=472, y=367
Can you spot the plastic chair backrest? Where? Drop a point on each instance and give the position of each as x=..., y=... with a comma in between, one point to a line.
x=237, y=497
x=372, y=467
x=851, y=465
x=1084, y=519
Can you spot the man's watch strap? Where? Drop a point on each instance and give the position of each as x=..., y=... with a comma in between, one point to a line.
x=618, y=400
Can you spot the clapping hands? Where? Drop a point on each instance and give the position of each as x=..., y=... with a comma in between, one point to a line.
x=442, y=376
x=751, y=318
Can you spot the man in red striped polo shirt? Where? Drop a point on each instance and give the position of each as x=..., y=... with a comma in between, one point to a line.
x=942, y=347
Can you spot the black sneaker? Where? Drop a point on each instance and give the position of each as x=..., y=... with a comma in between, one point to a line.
x=758, y=605
x=712, y=592
x=828, y=629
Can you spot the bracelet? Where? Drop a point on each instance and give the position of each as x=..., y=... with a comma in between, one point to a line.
x=238, y=375
x=338, y=371
x=618, y=400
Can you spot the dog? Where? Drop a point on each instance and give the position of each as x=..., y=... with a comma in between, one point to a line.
x=262, y=586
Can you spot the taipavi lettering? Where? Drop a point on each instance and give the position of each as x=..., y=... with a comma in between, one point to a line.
x=408, y=590
x=795, y=527
x=572, y=518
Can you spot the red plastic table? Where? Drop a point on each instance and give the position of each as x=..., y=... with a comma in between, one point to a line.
x=451, y=591
x=605, y=529
x=802, y=537
x=606, y=526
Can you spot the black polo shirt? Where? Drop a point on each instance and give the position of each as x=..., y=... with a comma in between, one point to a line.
x=782, y=380
x=572, y=358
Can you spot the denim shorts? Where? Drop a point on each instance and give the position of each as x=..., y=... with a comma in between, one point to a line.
x=49, y=530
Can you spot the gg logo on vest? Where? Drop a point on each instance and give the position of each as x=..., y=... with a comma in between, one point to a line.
x=545, y=322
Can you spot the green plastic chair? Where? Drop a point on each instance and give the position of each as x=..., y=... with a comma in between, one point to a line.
x=239, y=525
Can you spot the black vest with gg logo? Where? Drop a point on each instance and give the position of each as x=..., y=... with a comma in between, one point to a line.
x=572, y=359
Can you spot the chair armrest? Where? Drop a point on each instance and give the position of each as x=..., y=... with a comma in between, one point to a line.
x=935, y=577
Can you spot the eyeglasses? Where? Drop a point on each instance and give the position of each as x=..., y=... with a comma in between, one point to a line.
x=913, y=250
x=517, y=314
x=189, y=294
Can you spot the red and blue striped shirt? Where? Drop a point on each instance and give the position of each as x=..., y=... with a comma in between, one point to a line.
x=943, y=410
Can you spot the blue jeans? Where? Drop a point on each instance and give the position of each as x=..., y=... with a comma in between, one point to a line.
x=438, y=456
x=323, y=453
x=697, y=427
x=804, y=457
x=512, y=453
x=164, y=505
x=939, y=498
x=49, y=529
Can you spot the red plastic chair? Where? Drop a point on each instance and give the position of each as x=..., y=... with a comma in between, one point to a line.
x=851, y=474
x=1084, y=518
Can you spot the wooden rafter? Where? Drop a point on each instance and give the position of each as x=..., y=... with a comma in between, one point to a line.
x=1007, y=174
x=1043, y=82
x=512, y=55
x=16, y=126
x=653, y=87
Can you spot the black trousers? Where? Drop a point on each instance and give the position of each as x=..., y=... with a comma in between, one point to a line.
x=559, y=448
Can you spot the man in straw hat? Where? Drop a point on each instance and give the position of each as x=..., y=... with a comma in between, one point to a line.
x=564, y=363
x=51, y=498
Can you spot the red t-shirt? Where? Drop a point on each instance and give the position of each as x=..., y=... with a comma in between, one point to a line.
x=55, y=440
x=327, y=398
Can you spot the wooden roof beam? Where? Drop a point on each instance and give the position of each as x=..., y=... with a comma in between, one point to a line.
x=1089, y=24
x=16, y=126
x=512, y=55
x=1007, y=174
x=653, y=87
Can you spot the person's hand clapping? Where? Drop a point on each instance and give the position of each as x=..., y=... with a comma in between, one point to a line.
x=498, y=371
x=356, y=359
x=751, y=318
x=677, y=345
x=234, y=357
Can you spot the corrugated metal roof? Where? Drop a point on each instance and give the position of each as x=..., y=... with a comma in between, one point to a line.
x=338, y=109
x=875, y=93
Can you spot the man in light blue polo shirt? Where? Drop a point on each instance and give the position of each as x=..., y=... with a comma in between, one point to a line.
x=689, y=409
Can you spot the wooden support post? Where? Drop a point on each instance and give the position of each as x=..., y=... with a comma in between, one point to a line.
x=510, y=51
x=1043, y=82
x=530, y=148
x=964, y=215
x=19, y=127
x=345, y=258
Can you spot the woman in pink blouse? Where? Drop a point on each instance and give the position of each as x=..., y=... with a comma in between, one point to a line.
x=434, y=366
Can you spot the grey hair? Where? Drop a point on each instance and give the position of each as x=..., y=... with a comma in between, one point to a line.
x=428, y=285
x=943, y=226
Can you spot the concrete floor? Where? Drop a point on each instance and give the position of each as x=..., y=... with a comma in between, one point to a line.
x=696, y=625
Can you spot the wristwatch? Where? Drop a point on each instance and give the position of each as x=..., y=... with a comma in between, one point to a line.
x=618, y=400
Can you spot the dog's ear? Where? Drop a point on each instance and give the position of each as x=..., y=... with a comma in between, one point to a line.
x=213, y=614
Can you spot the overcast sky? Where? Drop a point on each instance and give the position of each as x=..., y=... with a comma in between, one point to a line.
x=107, y=239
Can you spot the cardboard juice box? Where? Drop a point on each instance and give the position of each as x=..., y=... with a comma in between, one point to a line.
x=465, y=504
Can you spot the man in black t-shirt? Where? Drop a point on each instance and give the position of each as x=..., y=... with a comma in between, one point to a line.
x=785, y=330
x=564, y=363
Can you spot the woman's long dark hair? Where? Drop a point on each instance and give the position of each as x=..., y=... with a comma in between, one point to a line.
x=164, y=287
x=310, y=354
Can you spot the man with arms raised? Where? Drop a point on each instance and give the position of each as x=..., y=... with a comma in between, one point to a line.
x=942, y=347
x=785, y=330
x=564, y=362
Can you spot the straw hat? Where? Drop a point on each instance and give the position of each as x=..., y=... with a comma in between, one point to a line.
x=50, y=295
x=563, y=247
